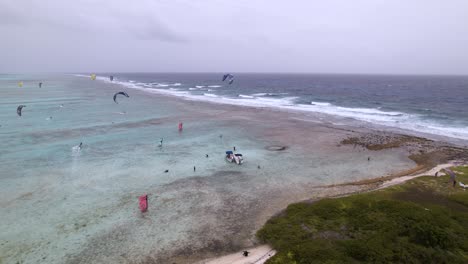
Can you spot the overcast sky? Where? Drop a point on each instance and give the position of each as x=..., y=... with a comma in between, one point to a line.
x=327, y=36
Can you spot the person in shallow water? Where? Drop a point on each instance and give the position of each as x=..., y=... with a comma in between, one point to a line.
x=80, y=146
x=194, y=169
x=245, y=253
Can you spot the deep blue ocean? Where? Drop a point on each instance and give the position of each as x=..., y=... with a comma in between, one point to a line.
x=430, y=104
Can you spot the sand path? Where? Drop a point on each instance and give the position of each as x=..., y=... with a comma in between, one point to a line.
x=257, y=255
x=407, y=178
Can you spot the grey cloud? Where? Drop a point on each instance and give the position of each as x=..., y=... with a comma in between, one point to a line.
x=361, y=36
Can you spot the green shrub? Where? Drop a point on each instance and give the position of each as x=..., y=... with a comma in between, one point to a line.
x=378, y=227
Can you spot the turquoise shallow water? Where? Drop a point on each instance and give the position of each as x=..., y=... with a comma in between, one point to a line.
x=59, y=205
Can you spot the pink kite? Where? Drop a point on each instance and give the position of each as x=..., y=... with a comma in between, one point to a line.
x=143, y=203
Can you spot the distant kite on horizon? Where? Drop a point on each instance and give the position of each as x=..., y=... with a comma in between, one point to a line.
x=228, y=77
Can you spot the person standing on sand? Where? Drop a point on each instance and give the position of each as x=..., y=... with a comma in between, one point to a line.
x=453, y=176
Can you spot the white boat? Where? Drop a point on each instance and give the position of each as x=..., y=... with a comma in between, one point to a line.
x=236, y=158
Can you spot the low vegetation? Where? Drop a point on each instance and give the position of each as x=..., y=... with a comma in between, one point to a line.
x=422, y=221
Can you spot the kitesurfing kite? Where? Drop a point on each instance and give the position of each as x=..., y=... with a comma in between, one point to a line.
x=143, y=203
x=19, y=109
x=93, y=76
x=122, y=93
x=228, y=77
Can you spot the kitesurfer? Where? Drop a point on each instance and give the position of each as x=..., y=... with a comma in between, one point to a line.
x=166, y=171
x=161, y=143
x=245, y=253
x=40, y=85
x=194, y=169
x=181, y=126
x=207, y=155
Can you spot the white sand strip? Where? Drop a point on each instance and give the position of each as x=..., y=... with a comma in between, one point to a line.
x=257, y=255
x=406, y=178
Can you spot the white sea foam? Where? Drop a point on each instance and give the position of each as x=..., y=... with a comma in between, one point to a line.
x=268, y=94
x=176, y=84
x=214, y=86
x=273, y=100
x=320, y=103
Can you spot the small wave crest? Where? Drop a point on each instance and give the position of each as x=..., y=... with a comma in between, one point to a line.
x=320, y=103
